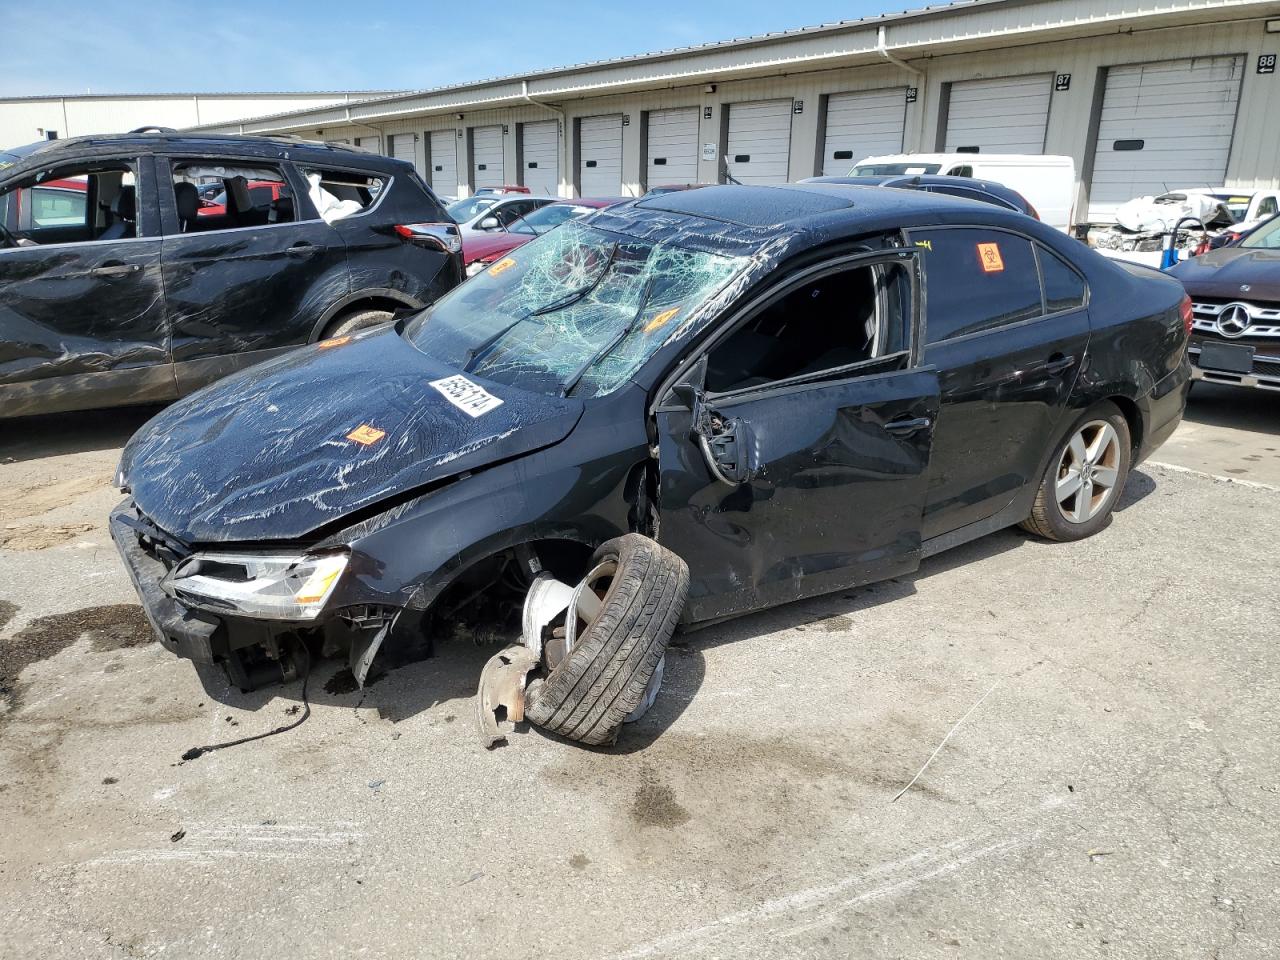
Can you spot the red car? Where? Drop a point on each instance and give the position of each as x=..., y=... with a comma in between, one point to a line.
x=480, y=251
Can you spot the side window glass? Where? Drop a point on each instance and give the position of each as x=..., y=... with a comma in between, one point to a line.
x=829, y=323
x=962, y=171
x=337, y=194
x=975, y=280
x=1063, y=288
x=216, y=195
x=73, y=205
x=1267, y=208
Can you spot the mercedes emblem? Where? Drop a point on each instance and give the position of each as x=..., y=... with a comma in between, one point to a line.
x=1234, y=320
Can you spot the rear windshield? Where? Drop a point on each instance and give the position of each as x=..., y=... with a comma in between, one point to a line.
x=893, y=169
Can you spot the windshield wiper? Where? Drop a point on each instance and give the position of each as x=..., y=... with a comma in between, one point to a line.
x=572, y=296
x=613, y=342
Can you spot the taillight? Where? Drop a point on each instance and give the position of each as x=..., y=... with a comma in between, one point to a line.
x=438, y=236
x=1032, y=212
x=1187, y=316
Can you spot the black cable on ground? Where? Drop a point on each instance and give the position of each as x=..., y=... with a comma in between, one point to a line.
x=195, y=752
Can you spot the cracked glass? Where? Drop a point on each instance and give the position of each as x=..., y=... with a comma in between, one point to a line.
x=576, y=311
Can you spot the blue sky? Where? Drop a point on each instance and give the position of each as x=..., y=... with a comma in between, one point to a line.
x=158, y=45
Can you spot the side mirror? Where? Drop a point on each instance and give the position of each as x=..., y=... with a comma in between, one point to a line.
x=730, y=450
x=488, y=223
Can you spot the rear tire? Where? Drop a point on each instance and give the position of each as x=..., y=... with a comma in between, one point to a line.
x=603, y=679
x=358, y=320
x=1085, y=477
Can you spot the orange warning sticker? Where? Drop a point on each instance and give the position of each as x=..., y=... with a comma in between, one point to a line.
x=333, y=342
x=989, y=255
x=366, y=435
x=502, y=266
x=661, y=320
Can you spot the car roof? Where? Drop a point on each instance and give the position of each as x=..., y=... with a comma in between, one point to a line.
x=274, y=147
x=745, y=219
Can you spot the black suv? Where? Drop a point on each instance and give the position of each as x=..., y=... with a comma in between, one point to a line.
x=135, y=268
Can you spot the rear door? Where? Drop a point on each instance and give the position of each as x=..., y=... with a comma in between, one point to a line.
x=1007, y=350
x=793, y=451
x=249, y=283
x=82, y=315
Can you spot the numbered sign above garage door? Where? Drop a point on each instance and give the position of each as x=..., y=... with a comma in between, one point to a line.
x=671, y=146
x=404, y=147
x=486, y=157
x=442, y=162
x=759, y=148
x=868, y=123
x=1007, y=115
x=1164, y=125
x=600, y=156
x=540, y=156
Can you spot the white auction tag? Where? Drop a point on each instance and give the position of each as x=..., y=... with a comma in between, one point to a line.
x=471, y=398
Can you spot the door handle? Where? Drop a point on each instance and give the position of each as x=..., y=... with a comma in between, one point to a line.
x=1059, y=364
x=303, y=249
x=115, y=269
x=903, y=428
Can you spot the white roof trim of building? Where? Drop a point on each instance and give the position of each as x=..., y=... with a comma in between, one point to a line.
x=939, y=30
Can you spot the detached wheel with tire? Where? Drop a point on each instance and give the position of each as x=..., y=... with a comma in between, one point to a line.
x=358, y=320
x=604, y=677
x=1085, y=477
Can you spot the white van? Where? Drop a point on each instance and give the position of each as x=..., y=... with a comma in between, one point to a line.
x=1048, y=183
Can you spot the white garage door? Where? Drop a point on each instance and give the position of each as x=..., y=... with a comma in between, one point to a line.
x=1163, y=126
x=1008, y=115
x=600, y=146
x=486, y=157
x=443, y=162
x=540, y=156
x=759, y=141
x=672, y=147
x=868, y=123
x=403, y=147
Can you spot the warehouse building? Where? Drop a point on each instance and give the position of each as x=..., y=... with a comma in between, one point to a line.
x=27, y=119
x=1144, y=96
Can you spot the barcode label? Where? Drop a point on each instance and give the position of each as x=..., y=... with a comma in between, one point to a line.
x=471, y=398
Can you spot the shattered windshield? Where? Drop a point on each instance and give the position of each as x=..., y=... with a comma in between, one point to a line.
x=577, y=310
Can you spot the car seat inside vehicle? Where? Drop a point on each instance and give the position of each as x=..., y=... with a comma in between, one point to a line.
x=828, y=323
x=187, y=197
x=124, y=216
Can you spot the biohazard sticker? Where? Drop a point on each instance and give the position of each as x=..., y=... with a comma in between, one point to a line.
x=471, y=398
x=989, y=256
x=365, y=435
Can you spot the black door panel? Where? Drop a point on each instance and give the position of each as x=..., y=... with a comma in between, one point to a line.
x=80, y=319
x=834, y=495
x=235, y=293
x=1003, y=392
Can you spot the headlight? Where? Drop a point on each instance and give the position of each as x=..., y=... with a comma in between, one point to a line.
x=267, y=585
x=475, y=267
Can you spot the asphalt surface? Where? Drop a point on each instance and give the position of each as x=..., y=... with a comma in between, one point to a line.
x=1113, y=793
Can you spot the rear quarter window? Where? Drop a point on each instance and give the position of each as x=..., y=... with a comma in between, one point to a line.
x=976, y=280
x=1063, y=287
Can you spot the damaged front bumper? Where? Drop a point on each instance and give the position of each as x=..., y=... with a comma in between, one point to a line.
x=254, y=651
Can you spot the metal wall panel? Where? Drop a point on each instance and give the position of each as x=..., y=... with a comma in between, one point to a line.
x=1164, y=125
x=759, y=144
x=403, y=147
x=1005, y=115
x=600, y=156
x=487, y=157
x=540, y=156
x=443, y=162
x=865, y=123
x=672, y=147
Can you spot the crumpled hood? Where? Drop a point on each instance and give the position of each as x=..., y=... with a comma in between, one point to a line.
x=286, y=447
x=1222, y=272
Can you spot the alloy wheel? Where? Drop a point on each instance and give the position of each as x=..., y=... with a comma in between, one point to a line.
x=1088, y=472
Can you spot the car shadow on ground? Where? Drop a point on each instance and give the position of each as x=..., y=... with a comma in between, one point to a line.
x=449, y=678
x=58, y=434
x=1213, y=405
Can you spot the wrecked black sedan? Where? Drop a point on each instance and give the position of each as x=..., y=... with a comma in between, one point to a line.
x=735, y=396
